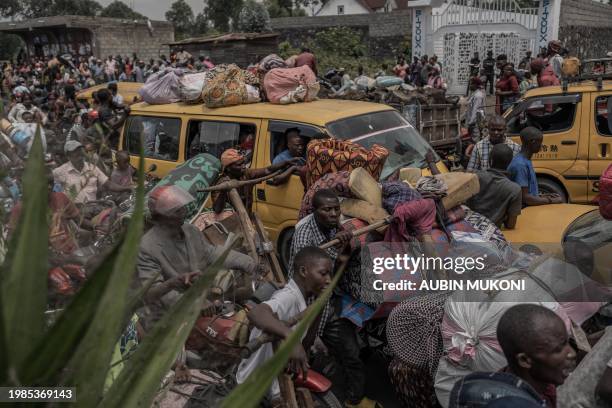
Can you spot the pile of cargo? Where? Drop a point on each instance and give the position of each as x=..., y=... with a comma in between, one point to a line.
x=228, y=85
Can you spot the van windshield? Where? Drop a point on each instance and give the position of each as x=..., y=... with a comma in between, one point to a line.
x=389, y=129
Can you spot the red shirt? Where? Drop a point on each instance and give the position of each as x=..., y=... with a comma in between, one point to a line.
x=508, y=84
x=547, y=77
x=306, y=58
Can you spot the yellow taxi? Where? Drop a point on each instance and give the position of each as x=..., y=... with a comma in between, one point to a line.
x=577, y=126
x=576, y=233
x=129, y=91
x=172, y=130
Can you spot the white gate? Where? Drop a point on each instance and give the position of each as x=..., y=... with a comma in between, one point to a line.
x=462, y=27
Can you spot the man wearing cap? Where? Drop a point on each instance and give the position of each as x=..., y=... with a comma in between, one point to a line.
x=234, y=168
x=554, y=59
x=173, y=253
x=81, y=180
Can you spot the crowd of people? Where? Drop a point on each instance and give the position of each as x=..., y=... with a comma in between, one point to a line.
x=78, y=139
x=510, y=81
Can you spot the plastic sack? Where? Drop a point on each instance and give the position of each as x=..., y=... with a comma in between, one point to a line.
x=605, y=193
x=387, y=81
x=252, y=94
x=190, y=87
x=469, y=326
x=162, y=87
x=570, y=67
x=272, y=61
x=280, y=82
x=365, y=83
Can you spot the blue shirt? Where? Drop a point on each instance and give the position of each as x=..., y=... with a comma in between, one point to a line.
x=284, y=156
x=522, y=173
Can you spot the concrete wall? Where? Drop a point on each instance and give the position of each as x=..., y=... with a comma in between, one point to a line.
x=586, y=28
x=126, y=38
x=382, y=32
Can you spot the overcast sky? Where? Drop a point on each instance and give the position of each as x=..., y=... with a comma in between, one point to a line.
x=155, y=9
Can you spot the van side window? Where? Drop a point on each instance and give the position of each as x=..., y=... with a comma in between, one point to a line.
x=603, y=115
x=550, y=114
x=215, y=137
x=161, y=137
x=278, y=130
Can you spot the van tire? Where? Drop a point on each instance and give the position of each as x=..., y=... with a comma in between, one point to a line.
x=548, y=186
x=284, y=248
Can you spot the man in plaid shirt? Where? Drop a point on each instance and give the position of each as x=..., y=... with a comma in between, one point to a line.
x=479, y=160
x=337, y=333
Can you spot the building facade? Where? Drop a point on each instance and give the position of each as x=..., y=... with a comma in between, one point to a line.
x=98, y=36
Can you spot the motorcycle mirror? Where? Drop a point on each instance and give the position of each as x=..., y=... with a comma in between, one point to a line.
x=152, y=167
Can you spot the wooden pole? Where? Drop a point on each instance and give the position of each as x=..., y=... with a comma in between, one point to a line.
x=277, y=271
x=245, y=222
x=360, y=231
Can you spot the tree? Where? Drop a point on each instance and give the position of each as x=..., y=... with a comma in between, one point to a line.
x=119, y=9
x=253, y=18
x=312, y=5
x=200, y=25
x=223, y=13
x=76, y=7
x=290, y=8
x=45, y=8
x=181, y=16
x=10, y=8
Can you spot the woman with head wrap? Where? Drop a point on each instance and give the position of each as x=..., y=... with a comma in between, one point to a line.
x=173, y=253
x=234, y=167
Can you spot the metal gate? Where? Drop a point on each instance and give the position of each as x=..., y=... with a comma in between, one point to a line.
x=462, y=27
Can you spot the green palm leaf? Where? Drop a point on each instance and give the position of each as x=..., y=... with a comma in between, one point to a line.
x=91, y=361
x=24, y=277
x=140, y=379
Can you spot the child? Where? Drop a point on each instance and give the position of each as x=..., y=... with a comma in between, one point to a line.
x=312, y=269
x=123, y=173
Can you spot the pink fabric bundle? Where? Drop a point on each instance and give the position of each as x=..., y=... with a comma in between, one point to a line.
x=278, y=82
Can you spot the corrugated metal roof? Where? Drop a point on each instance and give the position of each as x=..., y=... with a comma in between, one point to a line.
x=225, y=38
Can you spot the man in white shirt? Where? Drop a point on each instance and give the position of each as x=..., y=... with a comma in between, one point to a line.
x=81, y=180
x=312, y=270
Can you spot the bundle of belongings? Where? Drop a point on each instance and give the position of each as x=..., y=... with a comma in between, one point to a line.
x=229, y=85
x=191, y=85
x=223, y=85
x=332, y=155
x=353, y=172
x=162, y=87
x=470, y=319
x=291, y=85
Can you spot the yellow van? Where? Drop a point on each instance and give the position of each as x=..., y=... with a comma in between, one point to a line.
x=172, y=130
x=577, y=127
x=129, y=91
